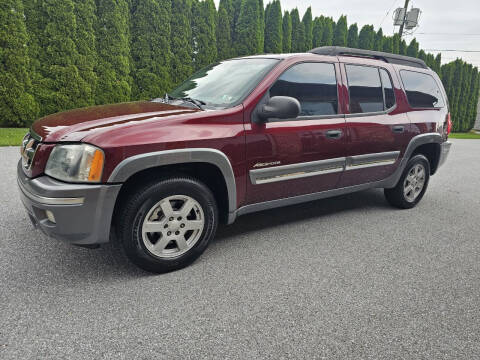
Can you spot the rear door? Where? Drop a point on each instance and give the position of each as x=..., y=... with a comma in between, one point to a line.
x=377, y=131
x=290, y=157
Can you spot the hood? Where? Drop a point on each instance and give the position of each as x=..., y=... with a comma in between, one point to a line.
x=74, y=125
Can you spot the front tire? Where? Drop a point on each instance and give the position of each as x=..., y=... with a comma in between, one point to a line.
x=412, y=184
x=165, y=226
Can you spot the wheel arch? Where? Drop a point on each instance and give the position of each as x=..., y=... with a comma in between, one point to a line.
x=427, y=144
x=210, y=166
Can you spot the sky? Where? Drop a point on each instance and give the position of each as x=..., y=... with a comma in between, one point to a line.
x=444, y=25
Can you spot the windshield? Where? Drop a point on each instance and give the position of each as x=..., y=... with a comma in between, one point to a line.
x=224, y=84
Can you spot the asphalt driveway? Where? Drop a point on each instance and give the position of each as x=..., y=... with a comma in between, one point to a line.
x=348, y=277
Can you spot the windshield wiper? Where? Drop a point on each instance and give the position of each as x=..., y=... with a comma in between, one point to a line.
x=196, y=102
x=166, y=99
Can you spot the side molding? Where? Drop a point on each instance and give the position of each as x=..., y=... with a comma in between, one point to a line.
x=296, y=171
x=371, y=160
x=134, y=164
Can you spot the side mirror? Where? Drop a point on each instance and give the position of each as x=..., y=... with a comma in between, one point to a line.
x=280, y=107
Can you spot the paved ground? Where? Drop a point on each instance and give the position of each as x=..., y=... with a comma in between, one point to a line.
x=347, y=277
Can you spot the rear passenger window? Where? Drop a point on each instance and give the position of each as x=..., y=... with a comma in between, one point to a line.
x=314, y=85
x=387, y=89
x=365, y=89
x=422, y=90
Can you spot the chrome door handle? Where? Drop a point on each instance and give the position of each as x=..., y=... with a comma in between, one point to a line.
x=398, y=129
x=334, y=134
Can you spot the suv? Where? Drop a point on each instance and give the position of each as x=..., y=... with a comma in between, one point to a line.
x=239, y=136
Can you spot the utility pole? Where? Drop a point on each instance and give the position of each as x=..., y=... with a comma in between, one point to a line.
x=400, y=32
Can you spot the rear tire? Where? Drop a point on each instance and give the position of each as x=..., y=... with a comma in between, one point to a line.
x=166, y=225
x=412, y=184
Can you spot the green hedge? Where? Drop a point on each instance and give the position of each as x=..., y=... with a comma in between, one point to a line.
x=61, y=54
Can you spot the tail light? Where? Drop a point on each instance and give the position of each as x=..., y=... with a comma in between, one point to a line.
x=448, y=121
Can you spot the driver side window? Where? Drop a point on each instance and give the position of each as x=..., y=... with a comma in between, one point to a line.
x=314, y=85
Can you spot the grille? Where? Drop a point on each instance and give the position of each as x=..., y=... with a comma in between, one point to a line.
x=28, y=149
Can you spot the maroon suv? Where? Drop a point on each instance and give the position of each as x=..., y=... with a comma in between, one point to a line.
x=239, y=136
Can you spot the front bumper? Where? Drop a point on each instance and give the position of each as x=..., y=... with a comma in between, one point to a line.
x=82, y=212
x=444, y=151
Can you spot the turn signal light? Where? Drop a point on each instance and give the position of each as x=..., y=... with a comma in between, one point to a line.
x=96, y=166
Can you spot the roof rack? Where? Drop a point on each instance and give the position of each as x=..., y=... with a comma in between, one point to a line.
x=389, y=58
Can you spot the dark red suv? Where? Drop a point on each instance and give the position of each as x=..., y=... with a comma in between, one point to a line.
x=239, y=136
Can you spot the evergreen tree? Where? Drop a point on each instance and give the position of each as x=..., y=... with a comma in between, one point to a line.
x=298, y=32
x=388, y=44
x=455, y=100
x=352, y=38
x=341, y=31
x=17, y=105
x=273, y=27
x=287, y=32
x=261, y=27
x=150, y=49
x=473, y=99
x=61, y=86
x=378, y=41
x=237, y=6
x=181, y=63
x=327, y=36
x=113, y=48
x=422, y=55
x=465, y=91
x=308, y=26
x=224, y=41
x=396, y=43
x=246, y=41
x=204, y=31
x=366, y=38
x=229, y=9
x=317, y=32
x=85, y=12
x=438, y=63
x=34, y=15
x=402, y=47
x=412, y=49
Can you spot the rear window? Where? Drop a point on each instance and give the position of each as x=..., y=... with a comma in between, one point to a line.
x=422, y=90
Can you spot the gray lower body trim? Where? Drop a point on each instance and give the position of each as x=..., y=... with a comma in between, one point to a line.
x=444, y=151
x=296, y=171
x=371, y=160
x=301, y=199
x=49, y=200
x=85, y=222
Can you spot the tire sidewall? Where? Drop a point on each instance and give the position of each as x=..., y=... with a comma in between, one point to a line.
x=417, y=159
x=132, y=234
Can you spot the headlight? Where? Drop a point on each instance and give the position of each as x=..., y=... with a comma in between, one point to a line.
x=76, y=163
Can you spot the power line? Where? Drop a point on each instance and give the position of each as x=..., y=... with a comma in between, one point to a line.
x=451, y=50
x=453, y=34
x=388, y=12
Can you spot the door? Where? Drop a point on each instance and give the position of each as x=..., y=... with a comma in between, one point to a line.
x=377, y=131
x=304, y=155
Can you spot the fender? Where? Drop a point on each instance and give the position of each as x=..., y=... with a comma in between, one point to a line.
x=415, y=142
x=134, y=164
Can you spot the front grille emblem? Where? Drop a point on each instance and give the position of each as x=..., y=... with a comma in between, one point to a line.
x=29, y=146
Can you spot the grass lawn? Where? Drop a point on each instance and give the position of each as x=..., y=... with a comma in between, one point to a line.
x=469, y=135
x=12, y=136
